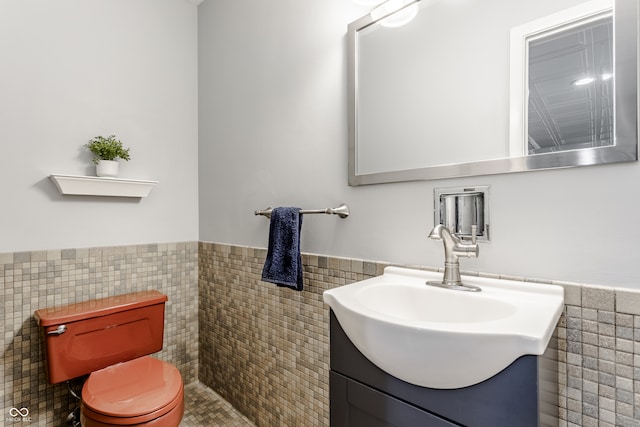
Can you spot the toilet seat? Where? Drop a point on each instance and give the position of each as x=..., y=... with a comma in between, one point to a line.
x=135, y=392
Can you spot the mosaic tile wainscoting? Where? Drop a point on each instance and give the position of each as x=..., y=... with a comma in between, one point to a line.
x=265, y=349
x=32, y=280
x=600, y=358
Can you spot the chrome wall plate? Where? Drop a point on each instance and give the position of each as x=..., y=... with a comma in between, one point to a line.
x=460, y=208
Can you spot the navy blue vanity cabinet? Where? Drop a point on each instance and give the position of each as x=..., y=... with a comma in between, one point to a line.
x=362, y=395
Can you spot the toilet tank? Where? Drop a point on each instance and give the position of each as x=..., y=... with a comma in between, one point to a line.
x=88, y=336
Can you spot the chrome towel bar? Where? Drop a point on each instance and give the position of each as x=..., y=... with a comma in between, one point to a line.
x=342, y=211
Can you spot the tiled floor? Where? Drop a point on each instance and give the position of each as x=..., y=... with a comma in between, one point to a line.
x=205, y=408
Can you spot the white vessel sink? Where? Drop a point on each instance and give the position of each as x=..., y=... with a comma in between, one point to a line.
x=443, y=338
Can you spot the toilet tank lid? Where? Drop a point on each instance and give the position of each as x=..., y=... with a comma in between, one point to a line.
x=97, y=307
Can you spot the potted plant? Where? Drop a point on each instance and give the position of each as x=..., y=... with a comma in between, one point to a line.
x=105, y=152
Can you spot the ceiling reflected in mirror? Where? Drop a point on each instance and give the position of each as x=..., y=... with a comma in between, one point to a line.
x=570, y=74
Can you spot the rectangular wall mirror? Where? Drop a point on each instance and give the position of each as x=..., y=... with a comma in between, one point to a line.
x=471, y=87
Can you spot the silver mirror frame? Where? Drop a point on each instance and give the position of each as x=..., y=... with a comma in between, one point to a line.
x=626, y=116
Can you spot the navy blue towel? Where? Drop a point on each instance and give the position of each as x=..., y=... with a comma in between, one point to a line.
x=283, y=265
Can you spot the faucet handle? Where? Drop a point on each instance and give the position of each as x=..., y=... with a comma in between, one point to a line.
x=435, y=233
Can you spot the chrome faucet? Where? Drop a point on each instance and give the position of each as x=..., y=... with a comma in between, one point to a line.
x=454, y=248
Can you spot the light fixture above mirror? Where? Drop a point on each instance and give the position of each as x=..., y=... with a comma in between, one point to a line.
x=395, y=13
x=391, y=13
x=368, y=2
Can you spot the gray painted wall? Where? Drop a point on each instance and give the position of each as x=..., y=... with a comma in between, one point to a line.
x=272, y=113
x=273, y=132
x=71, y=70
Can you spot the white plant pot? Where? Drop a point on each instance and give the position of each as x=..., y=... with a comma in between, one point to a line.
x=107, y=168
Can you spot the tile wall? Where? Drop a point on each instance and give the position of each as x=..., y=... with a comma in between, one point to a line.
x=32, y=280
x=266, y=349
x=600, y=357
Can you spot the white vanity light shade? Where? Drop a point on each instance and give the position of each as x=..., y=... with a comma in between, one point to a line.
x=400, y=12
x=401, y=18
x=368, y=2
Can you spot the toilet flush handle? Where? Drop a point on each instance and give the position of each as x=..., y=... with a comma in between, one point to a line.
x=58, y=331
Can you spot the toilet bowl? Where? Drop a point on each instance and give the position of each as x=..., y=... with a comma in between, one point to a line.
x=142, y=392
x=111, y=339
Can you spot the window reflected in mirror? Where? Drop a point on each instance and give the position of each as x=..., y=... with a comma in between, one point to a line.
x=570, y=81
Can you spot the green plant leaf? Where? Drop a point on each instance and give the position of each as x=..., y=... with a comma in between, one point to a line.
x=107, y=148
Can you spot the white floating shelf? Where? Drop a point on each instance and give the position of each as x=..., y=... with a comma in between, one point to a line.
x=99, y=186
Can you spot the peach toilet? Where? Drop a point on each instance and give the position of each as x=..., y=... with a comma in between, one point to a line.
x=110, y=340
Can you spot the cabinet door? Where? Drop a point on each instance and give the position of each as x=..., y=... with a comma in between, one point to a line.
x=509, y=399
x=356, y=405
